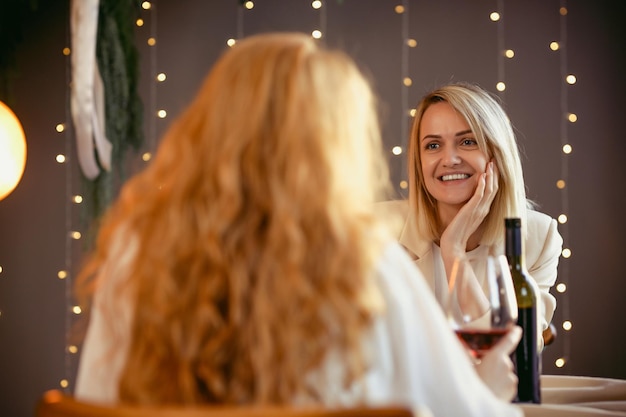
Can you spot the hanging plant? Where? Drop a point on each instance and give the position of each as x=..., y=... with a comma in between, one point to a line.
x=118, y=64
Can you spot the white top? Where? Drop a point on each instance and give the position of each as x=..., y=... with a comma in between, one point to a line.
x=416, y=359
x=542, y=250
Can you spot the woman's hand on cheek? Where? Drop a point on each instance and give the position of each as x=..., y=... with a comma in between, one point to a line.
x=472, y=214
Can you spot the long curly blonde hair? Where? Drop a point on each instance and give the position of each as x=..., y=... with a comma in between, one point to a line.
x=247, y=246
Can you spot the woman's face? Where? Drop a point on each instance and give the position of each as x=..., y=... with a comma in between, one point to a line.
x=450, y=157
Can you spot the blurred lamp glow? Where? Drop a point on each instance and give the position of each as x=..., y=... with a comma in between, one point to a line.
x=12, y=151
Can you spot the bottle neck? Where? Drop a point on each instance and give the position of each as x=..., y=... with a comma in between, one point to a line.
x=513, y=244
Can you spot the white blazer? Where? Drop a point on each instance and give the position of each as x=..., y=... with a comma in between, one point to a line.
x=542, y=250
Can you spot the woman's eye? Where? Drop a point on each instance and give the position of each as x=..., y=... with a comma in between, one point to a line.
x=431, y=145
x=469, y=142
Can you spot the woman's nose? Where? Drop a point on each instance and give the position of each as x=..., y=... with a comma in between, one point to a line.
x=451, y=157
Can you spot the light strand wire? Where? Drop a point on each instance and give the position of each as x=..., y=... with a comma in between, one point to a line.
x=153, y=136
x=501, y=45
x=564, y=266
x=404, y=94
x=68, y=363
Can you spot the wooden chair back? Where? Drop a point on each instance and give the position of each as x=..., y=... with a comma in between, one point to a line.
x=55, y=403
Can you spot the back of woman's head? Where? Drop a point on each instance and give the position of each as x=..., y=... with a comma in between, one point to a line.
x=255, y=230
x=494, y=133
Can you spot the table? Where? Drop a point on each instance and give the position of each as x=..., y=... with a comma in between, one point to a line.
x=565, y=396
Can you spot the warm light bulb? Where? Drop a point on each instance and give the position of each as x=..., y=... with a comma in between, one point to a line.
x=562, y=218
x=566, y=253
x=554, y=46
x=317, y=34
x=77, y=199
x=161, y=77
x=60, y=158
x=249, y=5
x=563, y=11
x=509, y=53
x=151, y=41
x=560, y=362
x=396, y=150
x=500, y=86
x=67, y=51
x=399, y=9
x=570, y=79
x=567, y=325
x=231, y=42
x=77, y=310
x=494, y=16
x=12, y=151
x=412, y=112
x=567, y=148
x=146, y=156
x=63, y=383
x=161, y=114
x=560, y=287
x=75, y=235
x=72, y=349
x=62, y=274
x=412, y=43
x=404, y=185
x=139, y=22
x=60, y=127
x=316, y=4
x=407, y=81
x=146, y=5
x=572, y=117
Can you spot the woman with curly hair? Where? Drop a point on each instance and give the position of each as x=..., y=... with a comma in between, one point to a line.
x=246, y=265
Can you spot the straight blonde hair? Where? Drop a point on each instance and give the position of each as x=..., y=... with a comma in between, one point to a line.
x=494, y=134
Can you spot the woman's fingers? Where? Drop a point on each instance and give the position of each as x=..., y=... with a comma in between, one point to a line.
x=496, y=368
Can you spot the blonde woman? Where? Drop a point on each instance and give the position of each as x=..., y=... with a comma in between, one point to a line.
x=465, y=177
x=246, y=265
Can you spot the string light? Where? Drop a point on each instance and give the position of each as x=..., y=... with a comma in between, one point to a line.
x=407, y=114
x=502, y=53
x=566, y=147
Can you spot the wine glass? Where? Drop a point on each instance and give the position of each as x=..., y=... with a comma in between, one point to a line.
x=481, y=304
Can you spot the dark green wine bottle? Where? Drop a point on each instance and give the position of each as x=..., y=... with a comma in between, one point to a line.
x=526, y=357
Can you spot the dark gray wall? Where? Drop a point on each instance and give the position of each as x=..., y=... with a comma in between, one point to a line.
x=456, y=41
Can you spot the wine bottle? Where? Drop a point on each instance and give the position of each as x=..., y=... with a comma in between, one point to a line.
x=526, y=357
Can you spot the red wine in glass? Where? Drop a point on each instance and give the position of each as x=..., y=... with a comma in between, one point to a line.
x=479, y=341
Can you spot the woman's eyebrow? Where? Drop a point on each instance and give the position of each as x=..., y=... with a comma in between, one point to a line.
x=464, y=132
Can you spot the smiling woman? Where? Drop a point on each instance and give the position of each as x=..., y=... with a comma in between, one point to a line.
x=465, y=178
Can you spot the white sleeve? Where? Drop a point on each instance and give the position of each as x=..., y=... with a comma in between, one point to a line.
x=107, y=341
x=428, y=365
x=102, y=357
